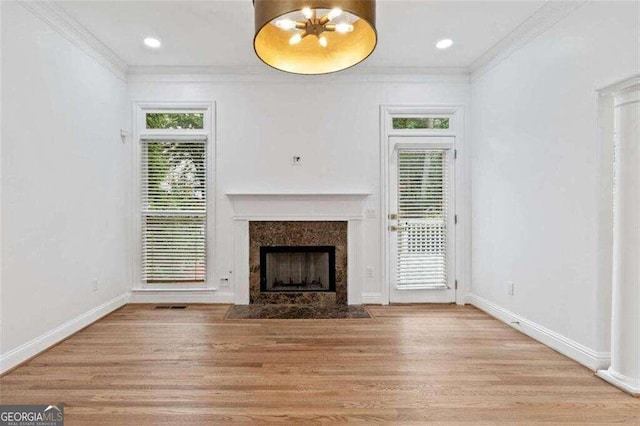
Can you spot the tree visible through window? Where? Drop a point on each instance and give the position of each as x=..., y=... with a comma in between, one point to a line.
x=174, y=120
x=176, y=172
x=420, y=123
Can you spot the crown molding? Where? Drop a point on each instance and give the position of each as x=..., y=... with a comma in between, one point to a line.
x=261, y=74
x=620, y=86
x=540, y=21
x=59, y=20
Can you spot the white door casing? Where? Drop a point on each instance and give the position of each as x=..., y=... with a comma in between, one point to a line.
x=455, y=129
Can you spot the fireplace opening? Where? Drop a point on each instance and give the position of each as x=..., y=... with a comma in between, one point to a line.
x=297, y=268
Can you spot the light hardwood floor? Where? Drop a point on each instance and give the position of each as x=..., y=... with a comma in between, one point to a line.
x=439, y=363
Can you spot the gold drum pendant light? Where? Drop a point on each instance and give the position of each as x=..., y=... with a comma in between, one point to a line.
x=314, y=36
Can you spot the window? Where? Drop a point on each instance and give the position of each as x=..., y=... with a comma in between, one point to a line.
x=420, y=122
x=422, y=218
x=174, y=210
x=173, y=177
x=174, y=120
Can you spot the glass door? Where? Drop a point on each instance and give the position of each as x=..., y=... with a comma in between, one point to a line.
x=422, y=220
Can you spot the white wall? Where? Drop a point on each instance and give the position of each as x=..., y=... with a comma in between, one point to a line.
x=332, y=122
x=65, y=175
x=536, y=161
x=1, y=33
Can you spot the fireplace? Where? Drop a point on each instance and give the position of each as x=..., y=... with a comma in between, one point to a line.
x=297, y=268
x=298, y=262
x=299, y=219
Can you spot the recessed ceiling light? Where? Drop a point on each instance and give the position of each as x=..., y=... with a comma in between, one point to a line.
x=152, y=42
x=444, y=44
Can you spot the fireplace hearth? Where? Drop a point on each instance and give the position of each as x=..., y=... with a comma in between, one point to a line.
x=297, y=268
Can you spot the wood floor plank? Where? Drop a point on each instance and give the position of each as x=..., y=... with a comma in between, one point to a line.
x=438, y=364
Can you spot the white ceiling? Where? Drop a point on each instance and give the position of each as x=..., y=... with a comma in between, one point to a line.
x=220, y=33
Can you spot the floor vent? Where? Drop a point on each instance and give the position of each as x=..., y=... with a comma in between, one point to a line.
x=171, y=307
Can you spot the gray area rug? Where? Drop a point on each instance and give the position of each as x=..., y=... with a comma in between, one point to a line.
x=296, y=312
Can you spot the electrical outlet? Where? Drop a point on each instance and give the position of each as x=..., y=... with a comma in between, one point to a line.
x=94, y=284
x=369, y=272
x=296, y=160
x=371, y=213
x=510, y=288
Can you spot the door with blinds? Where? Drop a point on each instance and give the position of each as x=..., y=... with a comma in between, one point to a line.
x=422, y=220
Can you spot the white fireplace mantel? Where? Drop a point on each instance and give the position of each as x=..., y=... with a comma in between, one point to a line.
x=297, y=193
x=290, y=205
x=262, y=206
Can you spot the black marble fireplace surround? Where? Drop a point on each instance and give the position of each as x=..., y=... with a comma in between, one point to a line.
x=299, y=236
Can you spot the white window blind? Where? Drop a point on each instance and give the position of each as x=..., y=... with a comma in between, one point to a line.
x=422, y=218
x=174, y=210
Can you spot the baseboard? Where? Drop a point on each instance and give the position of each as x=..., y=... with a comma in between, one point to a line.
x=620, y=381
x=372, y=299
x=32, y=348
x=586, y=356
x=181, y=296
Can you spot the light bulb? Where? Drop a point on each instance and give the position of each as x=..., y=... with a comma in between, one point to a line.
x=334, y=13
x=297, y=38
x=344, y=28
x=323, y=41
x=307, y=12
x=154, y=43
x=444, y=44
x=285, y=24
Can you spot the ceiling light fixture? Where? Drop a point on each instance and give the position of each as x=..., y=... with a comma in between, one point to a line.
x=154, y=43
x=444, y=44
x=314, y=36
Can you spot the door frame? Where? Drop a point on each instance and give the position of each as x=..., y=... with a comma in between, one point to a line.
x=462, y=199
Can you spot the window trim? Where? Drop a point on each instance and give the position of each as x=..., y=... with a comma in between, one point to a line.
x=140, y=132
